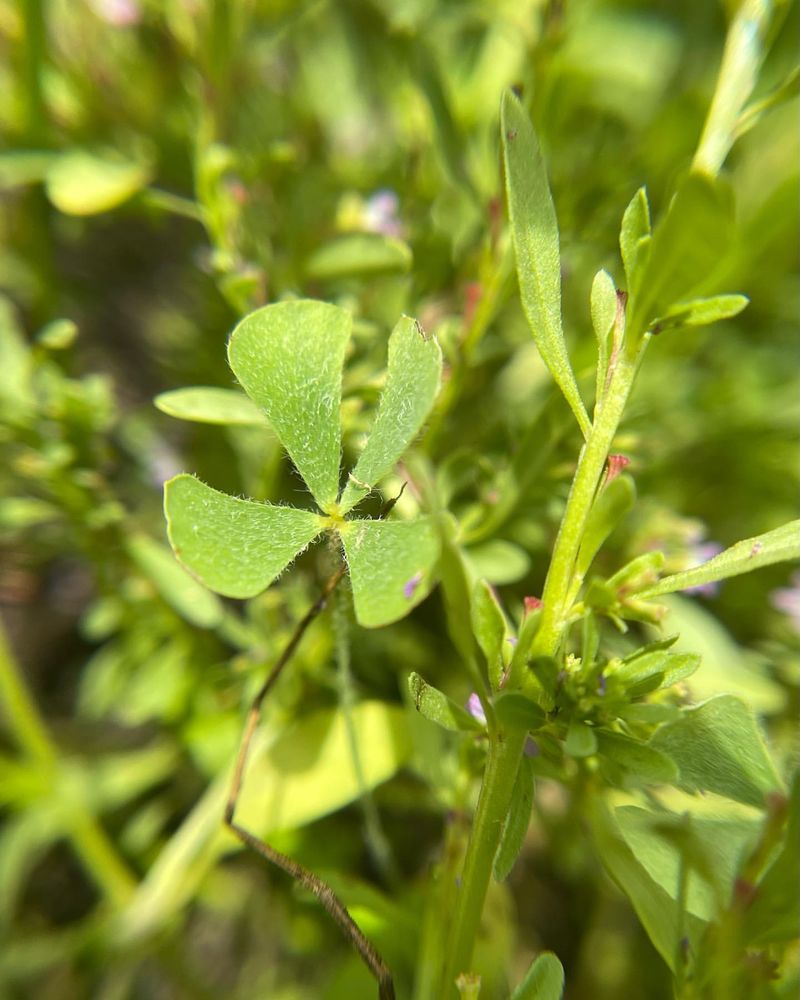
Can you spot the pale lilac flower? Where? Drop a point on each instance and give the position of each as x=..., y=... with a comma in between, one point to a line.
x=698, y=555
x=787, y=600
x=531, y=748
x=475, y=708
x=118, y=13
x=380, y=213
x=411, y=585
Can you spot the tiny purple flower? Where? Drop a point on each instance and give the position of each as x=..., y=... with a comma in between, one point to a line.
x=531, y=748
x=787, y=600
x=512, y=640
x=411, y=585
x=380, y=213
x=475, y=708
x=698, y=555
x=601, y=685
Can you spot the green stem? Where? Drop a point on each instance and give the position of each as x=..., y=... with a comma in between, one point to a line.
x=505, y=751
x=591, y=465
x=23, y=719
x=506, y=746
x=88, y=838
x=741, y=60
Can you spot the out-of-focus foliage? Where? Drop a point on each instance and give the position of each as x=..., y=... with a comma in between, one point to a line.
x=167, y=166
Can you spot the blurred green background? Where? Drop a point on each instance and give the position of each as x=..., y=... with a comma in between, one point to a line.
x=168, y=165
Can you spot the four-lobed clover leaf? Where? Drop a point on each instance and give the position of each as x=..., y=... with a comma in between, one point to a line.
x=288, y=357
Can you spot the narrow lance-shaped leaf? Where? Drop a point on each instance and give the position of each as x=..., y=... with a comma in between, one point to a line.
x=210, y=405
x=289, y=358
x=412, y=381
x=635, y=229
x=687, y=247
x=534, y=230
x=604, y=311
x=701, y=312
x=517, y=821
x=435, y=706
x=391, y=566
x=779, y=545
x=236, y=547
x=489, y=628
x=612, y=504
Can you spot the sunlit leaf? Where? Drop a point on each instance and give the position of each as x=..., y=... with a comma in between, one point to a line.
x=412, y=381
x=289, y=358
x=391, y=566
x=81, y=183
x=209, y=405
x=236, y=547
x=534, y=230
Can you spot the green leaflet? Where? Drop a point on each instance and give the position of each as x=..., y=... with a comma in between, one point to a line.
x=436, y=707
x=412, y=382
x=359, y=254
x=701, y=312
x=391, y=566
x=686, y=249
x=81, y=183
x=516, y=824
x=634, y=232
x=779, y=545
x=236, y=547
x=191, y=600
x=603, y=302
x=534, y=230
x=630, y=762
x=209, y=405
x=289, y=358
x=611, y=505
x=655, y=907
x=489, y=629
x=544, y=980
x=704, y=850
x=718, y=748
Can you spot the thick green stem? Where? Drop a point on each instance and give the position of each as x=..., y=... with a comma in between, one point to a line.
x=506, y=746
x=591, y=465
x=505, y=751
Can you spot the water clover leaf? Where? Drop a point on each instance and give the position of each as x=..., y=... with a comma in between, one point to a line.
x=289, y=358
x=236, y=547
x=412, y=381
x=534, y=231
x=391, y=566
